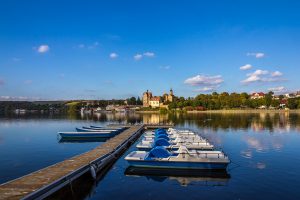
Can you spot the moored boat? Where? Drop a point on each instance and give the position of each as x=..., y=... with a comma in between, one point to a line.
x=92, y=134
x=160, y=157
x=148, y=145
x=96, y=130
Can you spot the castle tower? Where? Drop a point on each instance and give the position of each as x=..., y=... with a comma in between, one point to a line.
x=171, y=96
x=146, y=98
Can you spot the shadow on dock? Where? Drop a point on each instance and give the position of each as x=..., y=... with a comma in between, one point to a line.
x=80, y=188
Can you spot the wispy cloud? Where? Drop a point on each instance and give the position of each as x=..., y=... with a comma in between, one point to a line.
x=256, y=55
x=90, y=90
x=207, y=83
x=166, y=67
x=19, y=98
x=43, y=48
x=61, y=75
x=276, y=74
x=2, y=82
x=15, y=59
x=28, y=82
x=113, y=55
x=208, y=88
x=94, y=45
x=279, y=89
x=138, y=56
x=246, y=67
x=149, y=54
x=87, y=46
x=263, y=76
x=81, y=46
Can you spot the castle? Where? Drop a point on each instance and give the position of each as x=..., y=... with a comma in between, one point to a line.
x=157, y=101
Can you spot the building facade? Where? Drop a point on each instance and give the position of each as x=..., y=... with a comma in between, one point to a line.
x=157, y=101
x=257, y=95
x=146, y=98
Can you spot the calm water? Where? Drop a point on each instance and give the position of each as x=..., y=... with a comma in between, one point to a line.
x=264, y=149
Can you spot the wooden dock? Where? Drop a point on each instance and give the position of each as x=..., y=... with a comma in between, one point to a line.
x=44, y=182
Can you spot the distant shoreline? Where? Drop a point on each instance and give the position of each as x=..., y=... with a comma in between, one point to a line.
x=229, y=111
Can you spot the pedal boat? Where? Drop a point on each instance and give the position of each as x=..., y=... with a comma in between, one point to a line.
x=160, y=157
x=148, y=145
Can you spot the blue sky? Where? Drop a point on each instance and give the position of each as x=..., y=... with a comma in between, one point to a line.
x=116, y=49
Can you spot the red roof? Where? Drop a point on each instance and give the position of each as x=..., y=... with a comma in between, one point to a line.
x=259, y=94
x=155, y=99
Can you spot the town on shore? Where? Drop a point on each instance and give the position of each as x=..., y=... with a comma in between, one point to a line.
x=168, y=102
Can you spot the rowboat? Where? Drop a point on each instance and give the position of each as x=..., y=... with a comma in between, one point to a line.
x=96, y=130
x=160, y=157
x=92, y=134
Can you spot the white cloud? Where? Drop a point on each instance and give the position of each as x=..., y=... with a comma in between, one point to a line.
x=166, y=67
x=208, y=88
x=149, y=54
x=81, y=46
x=113, y=55
x=256, y=55
x=279, y=89
x=207, y=83
x=263, y=76
x=43, y=48
x=138, y=57
x=246, y=67
x=62, y=75
x=276, y=74
x=204, y=80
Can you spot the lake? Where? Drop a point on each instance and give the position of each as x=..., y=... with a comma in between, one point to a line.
x=263, y=147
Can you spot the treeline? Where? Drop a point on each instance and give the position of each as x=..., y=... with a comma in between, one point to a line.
x=63, y=106
x=9, y=106
x=216, y=101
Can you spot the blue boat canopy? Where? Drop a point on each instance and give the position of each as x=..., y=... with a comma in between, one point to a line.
x=161, y=142
x=158, y=152
x=160, y=131
x=162, y=136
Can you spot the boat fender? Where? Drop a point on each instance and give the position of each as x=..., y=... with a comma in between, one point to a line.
x=93, y=171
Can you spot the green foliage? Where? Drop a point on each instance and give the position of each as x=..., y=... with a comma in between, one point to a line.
x=225, y=100
x=163, y=111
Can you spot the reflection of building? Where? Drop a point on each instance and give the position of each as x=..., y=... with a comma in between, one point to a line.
x=154, y=118
x=155, y=101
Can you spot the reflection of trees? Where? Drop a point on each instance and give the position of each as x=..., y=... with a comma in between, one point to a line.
x=256, y=121
x=274, y=122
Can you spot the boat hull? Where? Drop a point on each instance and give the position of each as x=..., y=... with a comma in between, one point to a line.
x=96, y=130
x=178, y=165
x=86, y=135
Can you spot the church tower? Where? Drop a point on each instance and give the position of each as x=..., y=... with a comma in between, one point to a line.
x=171, y=96
x=146, y=98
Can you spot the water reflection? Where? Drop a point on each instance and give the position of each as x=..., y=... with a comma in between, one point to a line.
x=183, y=177
x=281, y=122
